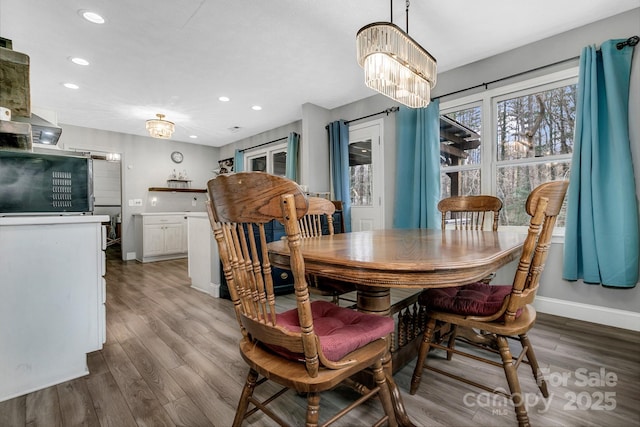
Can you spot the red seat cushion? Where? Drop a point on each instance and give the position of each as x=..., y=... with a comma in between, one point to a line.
x=475, y=299
x=340, y=330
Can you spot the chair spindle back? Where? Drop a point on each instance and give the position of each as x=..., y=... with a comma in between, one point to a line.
x=543, y=204
x=311, y=223
x=469, y=212
x=239, y=206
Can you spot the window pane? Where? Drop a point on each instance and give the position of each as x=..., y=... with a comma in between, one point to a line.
x=280, y=163
x=361, y=173
x=516, y=182
x=464, y=183
x=536, y=125
x=259, y=164
x=460, y=145
x=460, y=137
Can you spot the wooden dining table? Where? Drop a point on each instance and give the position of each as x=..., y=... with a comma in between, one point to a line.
x=377, y=261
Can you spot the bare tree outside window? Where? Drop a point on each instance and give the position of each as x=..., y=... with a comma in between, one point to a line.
x=534, y=145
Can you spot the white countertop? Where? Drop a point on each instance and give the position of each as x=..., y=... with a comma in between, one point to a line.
x=169, y=213
x=197, y=214
x=52, y=219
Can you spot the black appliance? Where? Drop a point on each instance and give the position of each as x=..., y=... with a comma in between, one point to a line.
x=34, y=183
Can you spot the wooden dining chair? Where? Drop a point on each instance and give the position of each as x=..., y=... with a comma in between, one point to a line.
x=311, y=225
x=311, y=348
x=470, y=212
x=500, y=312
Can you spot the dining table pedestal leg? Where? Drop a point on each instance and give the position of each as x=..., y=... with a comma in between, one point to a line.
x=377, y=300
x=374, y=300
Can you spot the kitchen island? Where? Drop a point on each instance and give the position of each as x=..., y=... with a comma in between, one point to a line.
x=52, y=295
x=204, y=261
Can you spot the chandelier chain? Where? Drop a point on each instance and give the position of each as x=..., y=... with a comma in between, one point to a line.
x=407, y=13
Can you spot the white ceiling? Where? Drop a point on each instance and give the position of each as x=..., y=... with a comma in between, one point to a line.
x=177, y=57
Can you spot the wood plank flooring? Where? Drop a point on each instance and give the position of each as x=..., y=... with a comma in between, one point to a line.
x=171, y=359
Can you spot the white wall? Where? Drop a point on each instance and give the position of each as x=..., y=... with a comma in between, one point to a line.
x=146, y=162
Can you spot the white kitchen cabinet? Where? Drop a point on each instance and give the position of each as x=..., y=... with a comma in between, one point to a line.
x=160, y=236
x=52, y=296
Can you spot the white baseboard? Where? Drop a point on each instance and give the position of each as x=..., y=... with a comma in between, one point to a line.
x=589, y=313
x=213, y=289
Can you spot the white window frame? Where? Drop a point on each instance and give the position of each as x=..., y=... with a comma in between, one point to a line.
x=488, y=100
x=268, y=152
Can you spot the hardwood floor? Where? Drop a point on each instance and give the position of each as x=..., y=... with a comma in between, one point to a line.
x=171, y=359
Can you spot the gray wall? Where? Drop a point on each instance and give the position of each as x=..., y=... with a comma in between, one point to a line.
x=261, y=138
x=363, y=108
x=541, y=53
x=146, y=163
x=314, y=150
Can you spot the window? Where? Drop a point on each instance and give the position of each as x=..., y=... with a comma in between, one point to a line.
x=361, y=173
x=530, y=125
x=366, y=175
x=534, y=140
x=460, y=152
x=272, y=160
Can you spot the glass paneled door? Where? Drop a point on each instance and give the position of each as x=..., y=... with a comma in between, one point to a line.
x=366, y=176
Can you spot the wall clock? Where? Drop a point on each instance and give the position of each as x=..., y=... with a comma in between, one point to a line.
x=177, y=157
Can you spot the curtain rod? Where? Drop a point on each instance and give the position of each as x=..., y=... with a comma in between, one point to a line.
x=264, y=143
x=631, y=41
x=387, y=112
x=485, y=85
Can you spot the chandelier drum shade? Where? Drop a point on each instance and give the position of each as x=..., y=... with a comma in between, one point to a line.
x=160, y=128
x=395, y=65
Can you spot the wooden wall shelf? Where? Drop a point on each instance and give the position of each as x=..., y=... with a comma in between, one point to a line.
x=178, y=190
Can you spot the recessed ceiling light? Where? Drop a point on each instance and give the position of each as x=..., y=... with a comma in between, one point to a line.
x=92, y=17
x=193, y=136
x=71, y=86
x=79, y=61
x=256, y=107
x=223, y=99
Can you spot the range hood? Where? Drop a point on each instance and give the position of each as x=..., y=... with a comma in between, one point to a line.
x=42, y=131
x=15, y=96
